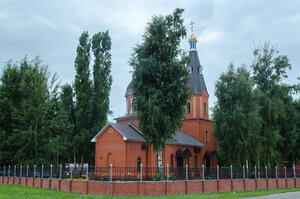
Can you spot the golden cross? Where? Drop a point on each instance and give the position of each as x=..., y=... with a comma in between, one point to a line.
x=191, y=24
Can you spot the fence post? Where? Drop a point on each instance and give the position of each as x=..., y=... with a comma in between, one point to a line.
x=244, y=175
x=110, y=175
x=15, y=170
x=255, y=174
x=21, y=171
x=27, y=171
x=218, y=172
x=266, y=172
x=42, y=171
x=4, y=171
x=167, y=172
x=60, y=171
x=276, y=175
x=203, y=172
x=87, y=172
x=51, y=166
x=8, y=173
x=284, y=172
x=141, y=172
x=71, y=177
x=34, y=168
x=186, y=172
x=294, y=170
x=231, y=175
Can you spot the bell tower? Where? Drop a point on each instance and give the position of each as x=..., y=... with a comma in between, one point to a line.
x=198, y=104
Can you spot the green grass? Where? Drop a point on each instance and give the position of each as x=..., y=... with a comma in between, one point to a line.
x=20, y=192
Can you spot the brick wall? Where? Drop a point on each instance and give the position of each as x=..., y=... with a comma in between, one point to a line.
x=30, y=182
x=272, y=184
x=176, y=188
x=37, y=182
x=281, y=183
x=65, y=185
x=55, y=184
x=194, y=187
x=46, y=183
x=153, y=188
x=238, y=185
x=210, y=186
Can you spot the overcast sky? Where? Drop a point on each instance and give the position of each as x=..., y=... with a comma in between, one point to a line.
x=226, y=30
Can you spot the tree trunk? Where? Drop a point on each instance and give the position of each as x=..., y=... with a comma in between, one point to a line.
x=160, y=163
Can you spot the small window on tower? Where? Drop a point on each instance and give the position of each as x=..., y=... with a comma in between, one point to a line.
x=190, y=70
x=188, y=108
x=204, y=108
x=206, y=136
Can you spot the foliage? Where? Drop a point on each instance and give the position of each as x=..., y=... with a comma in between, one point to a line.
x=31, y=116
x=160, y=78
x=236, y=117
x=83, y=93
x=101, y=46
x=277, y=112
x=92, y=97
x=268, y=120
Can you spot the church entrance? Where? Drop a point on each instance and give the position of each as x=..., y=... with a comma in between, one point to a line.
x=179, y=162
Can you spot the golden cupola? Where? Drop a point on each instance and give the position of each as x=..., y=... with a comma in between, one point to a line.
x=192, y=38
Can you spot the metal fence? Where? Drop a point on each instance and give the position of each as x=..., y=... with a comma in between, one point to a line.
x=141, y=173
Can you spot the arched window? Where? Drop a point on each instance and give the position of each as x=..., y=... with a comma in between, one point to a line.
x=190, y=70
x=188, y=107
x=139, y=164
x=206, y=136
x=172, y=162
x=204, y=108
x=133, y=110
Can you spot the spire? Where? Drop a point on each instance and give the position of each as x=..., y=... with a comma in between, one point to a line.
x=192, y=38
x=197, y=83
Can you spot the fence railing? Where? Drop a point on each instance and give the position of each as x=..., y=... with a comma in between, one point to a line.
x=91, y=173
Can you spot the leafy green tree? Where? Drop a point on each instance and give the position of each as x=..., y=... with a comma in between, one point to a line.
x=57, y=124
x=23, y=103
x=83, y=93
x=269, y=70
x=236, y=118
x=160, y=79
x=101, y=46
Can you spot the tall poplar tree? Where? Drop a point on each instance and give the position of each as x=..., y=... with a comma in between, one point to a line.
x=236, y=118
x=83, y=93
x=160, y=79
x=101, y=46
x=73, y=139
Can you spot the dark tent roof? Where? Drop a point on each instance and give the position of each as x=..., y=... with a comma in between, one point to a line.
x=196, y=83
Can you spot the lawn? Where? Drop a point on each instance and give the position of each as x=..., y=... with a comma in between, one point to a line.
x=18, y=191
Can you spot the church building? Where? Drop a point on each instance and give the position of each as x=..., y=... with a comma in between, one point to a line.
x=122, y=144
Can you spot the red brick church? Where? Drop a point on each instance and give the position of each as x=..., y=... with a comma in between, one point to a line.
x=122, y=143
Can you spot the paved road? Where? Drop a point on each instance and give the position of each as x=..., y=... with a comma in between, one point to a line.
x=289, y=195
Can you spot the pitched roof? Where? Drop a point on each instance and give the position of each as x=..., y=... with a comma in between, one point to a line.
x=196, y=83
x=127, y=131
x=183, y=138
x=132, y=133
